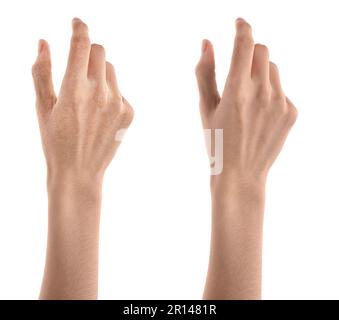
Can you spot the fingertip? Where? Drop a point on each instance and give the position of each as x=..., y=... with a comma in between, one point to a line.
x=110, y=67
x=41, y=72
x=207, y=47
x=274, y=68
x=76, y=21
x=205, y=75
x=97, y=62
x=207, y=52
x=79, y=26
x=98, y=47
x=43, y=56
x=263, y=49
x=239, y=20
x=42, y=46
x=204, y=45
x=242, y=26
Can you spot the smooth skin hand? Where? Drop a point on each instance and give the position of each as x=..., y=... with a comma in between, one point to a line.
x=79, y=131
x=256, y=117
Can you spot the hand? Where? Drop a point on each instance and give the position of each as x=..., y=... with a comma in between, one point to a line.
x=253, y=111
x=79, y=128
x=255, y=117
x=79, y=136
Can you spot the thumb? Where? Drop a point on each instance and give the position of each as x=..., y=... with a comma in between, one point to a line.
x=42, y=77
x=205, y=73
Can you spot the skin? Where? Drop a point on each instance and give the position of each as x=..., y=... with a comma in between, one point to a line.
x=78, y=132
x=256, y=117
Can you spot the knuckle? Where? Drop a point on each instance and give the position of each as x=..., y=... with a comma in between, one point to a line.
x=289, y=115
x=35, y=69
x=202, y=71
x=100, y=97
x=292, y=115
x=235, y=84
x=39, y=69
x=129, y=113
x=99, y=93
x=76, y=98
x=80, y=41
x=239, y=99
x=237, y=92
x=279, y=98
x=262, y=94
x=197, y=70
x=117, y=103
x=243, y=41
x=125, y=111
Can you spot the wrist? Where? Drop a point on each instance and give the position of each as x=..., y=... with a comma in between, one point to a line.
x=233, y=192
x=233, y=183
x=71, y=181
x=74, y=193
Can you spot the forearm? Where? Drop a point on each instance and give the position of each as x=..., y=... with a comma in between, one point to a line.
x=236, y=240
x=71, y=270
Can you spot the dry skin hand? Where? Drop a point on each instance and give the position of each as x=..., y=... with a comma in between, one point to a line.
x=78, y=131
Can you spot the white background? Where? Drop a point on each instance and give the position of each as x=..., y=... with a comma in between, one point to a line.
x=156, y=207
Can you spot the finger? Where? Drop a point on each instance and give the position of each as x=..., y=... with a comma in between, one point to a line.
x=243, y=50
x=261, y=64
x=42, y=77
x=111, y=79
x=205, y=74
x=275, y=79
x=79, y=51
x=97, y=63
